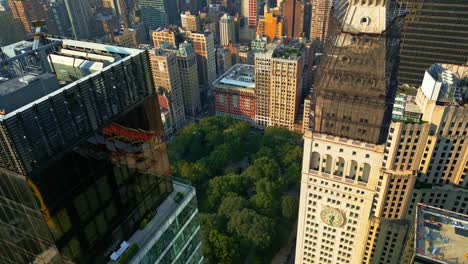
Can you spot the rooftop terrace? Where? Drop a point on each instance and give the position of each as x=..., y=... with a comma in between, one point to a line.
x=238, y=76
x=441, y=236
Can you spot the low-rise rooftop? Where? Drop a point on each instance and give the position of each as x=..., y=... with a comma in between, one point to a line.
x=241, y=76
x=405, y=109
x=441, y=235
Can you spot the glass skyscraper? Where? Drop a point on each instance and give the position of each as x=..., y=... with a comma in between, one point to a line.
x=84, y=172
x=154, y=13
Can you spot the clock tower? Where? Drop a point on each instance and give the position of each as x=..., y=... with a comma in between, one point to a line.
x=343, y=152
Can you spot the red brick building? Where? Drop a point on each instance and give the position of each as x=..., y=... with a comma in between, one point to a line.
x=234, y=93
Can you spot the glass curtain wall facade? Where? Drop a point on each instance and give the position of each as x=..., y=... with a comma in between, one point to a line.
x=434, y=32
x=82, y=167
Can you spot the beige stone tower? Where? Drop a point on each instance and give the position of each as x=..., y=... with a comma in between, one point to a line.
x=343, y=152
x=167, y=81
x=190, y=22
x=285, y=87
x=187, y=62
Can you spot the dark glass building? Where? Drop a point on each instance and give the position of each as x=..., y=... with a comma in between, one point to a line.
x=434, y=32
x=84, y=171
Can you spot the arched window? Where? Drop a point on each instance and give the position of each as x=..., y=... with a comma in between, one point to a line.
x=327, y=164
x=351, y=169
x=365, y=172
x=339, y=166
x=315, y=161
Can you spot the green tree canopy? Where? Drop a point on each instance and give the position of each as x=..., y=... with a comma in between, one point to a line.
x=193, y=171
x=232, y=204
x=289, y=207
x=224, y=247
x=263, y=167
x=255, y=229
x=220, y=186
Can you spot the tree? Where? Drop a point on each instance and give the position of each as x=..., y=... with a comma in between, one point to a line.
x=289, y=207
x=213, y=138
x=225, y=250
x=292, y=155
x=263, y=168
x=208, y=222
x=293, y=174
x=265, y=151
x=218, y=158
x=265, y=203
x=195, y=172
x=232, y=204
x=253, y=228
x=188, y=144
x=219, y=186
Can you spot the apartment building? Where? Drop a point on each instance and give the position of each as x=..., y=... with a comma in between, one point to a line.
x=188, y=71
x=320, y=21
x=27, y=11
x=286, y=86
x=234, y=93
x=165, y=72
x=190, y=22
x=203, y=44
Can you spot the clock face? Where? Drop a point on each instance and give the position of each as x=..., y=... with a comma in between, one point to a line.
x=332, y=217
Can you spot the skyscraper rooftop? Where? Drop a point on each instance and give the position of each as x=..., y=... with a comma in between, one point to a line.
x=32, y=77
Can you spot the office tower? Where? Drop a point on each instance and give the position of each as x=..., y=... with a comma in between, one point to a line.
x=81, y=18
x=226, y=30
x=27, y=11
x=187, y=61
x=223, y=60
x=214, y=12
x=293, y=12
x=287, y=65
x=430, y=35
x=58, y=16
x=164, y=35
x=167, y=80
x=234, y=93
x=262, y=63
x=427, y=156
x=297, y=16
x=108, y=26
x=340, y=217
x=203, y=44
x=250, y=11
x=307, y=19
x=130, y=37
x=84, y=167
x=321, y=19
x=269, y=25
x=154, y=13
x=193, y=6
x=117, y=7
x=190, y=22
x=259, y=44
x=244, y=55
x=306, y=112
